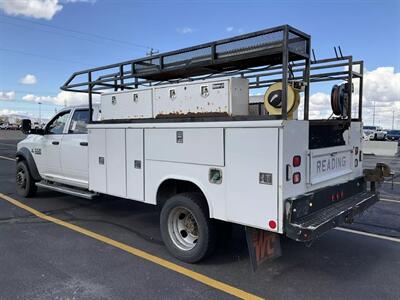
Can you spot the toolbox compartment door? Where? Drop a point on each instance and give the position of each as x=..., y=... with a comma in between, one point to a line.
x=201, y=146
x=134, y=164
x=97, y=156
x=252, y=176
x=115, y=162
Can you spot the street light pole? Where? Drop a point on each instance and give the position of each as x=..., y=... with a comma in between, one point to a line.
x=40, y=113
x=373, y=116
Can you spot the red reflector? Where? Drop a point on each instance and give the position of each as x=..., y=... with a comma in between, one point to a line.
x=333, y=197
x=296, y=161
x=272, y=224
x=338, y=195
x=296, y=177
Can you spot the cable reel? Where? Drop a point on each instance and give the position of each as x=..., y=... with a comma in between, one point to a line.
x=273, y=99
x=340, y=99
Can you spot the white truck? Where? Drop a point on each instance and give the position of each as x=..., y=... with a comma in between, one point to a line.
x=177, y=130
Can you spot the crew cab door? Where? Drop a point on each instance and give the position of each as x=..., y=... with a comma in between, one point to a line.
x=74, y=149
x=50, y=163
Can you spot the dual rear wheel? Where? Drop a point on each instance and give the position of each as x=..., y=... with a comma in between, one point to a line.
x=187, y=231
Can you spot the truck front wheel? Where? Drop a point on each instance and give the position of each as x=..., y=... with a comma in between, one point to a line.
x=25, y=184
x=186, y=228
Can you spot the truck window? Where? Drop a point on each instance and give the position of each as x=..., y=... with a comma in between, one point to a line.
x=79, y=122
x=56, y=126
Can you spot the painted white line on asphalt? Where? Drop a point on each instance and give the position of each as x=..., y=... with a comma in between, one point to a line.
x=394, y=182
x=15, y=146
x=382, y=237
x=390, y=200
x=7, y=158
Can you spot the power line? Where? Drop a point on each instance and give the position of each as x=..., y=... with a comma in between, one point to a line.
x=60, y=34
x=30, y=92
x=41, y=56
x=98, y=36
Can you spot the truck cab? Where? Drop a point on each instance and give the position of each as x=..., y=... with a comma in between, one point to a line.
x=59, y=151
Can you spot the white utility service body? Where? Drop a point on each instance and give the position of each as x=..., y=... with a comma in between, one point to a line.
x=133, y=160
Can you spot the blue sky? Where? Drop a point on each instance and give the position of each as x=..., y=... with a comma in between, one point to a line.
x=35, y=42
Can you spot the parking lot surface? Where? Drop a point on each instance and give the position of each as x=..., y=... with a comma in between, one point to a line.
x=44, y=260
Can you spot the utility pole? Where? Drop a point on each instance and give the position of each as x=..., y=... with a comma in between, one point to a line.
x=152, y=51
x=373, y=116
x=393, y=120
x=40, y=112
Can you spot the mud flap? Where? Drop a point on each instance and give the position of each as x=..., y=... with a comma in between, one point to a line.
x=263, y=246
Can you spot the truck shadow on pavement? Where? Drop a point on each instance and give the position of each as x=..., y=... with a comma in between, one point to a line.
x=334, y=253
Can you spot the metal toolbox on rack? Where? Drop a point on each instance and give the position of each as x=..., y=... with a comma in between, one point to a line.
x=227, y=96
x=137, y=104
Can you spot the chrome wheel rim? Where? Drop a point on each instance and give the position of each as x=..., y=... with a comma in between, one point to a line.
x=183, y=228
x=21, y=178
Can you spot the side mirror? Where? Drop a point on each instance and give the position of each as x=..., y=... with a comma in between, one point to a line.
x=26, y=126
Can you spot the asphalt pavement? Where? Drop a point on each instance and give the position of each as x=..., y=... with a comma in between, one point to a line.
x=43, y=260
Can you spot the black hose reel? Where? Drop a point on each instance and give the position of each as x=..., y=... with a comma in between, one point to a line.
x=340, y=99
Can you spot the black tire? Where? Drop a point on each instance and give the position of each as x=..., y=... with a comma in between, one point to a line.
x=205, y=240
x=25, y=184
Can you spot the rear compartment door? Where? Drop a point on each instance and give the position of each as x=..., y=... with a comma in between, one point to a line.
x=328, y=163
x=252, y=176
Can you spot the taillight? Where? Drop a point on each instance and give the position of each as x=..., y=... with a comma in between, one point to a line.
x=272, y=224
x=296, y=161
x=296, y=177
x=337, y=196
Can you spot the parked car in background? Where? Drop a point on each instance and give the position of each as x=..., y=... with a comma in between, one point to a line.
x=368, y=135
x=4, y=126
x=393, y=135
x=375, y=132
x=13, y=127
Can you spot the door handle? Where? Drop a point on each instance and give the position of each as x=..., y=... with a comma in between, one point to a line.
x=83, y=143
x=55, y=142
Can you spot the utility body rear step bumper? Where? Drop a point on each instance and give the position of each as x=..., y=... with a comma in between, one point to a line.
x=311, y=215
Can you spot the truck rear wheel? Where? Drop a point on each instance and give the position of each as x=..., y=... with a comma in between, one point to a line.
x=25, y=184
x=186, y=228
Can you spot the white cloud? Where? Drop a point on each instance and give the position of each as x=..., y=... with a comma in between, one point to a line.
x=39, y=9
x=184, y=30
x=233, y=29
x=37, y=99
x=7, y=112
x=70, y=98
x=75, y=1
x=7, y=95
x=381, y=85
x=28, y=79
x=63, y=98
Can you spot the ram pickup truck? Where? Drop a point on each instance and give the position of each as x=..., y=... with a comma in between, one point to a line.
x=194, y=145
